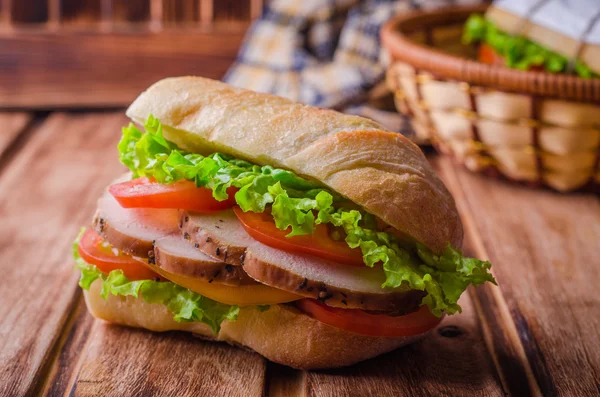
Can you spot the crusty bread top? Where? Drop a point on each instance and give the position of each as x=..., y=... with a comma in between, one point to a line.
x=380, y=170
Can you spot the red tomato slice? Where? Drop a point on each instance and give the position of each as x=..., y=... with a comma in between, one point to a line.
x=488, y=55
x=146, y=193
x=95, y=251
x=262, y=228
x=361, y=322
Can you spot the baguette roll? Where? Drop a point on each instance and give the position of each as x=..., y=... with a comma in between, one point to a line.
x=379, y=170
x=281, y=334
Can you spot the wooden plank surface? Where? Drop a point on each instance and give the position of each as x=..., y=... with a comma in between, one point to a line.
x=544, y=247
x=88, y=13
x=452, y=361
x=69, y=353
x=32, y=11
x=131, y=10
x=82, y=12
x=124, y=362
x=12, y=125
x=180, y=11
x=89, y=70
x=59, y=169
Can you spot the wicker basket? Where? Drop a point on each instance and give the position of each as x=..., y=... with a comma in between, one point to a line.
x=533, y=127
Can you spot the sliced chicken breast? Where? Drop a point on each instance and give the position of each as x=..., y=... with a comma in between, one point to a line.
x=133, y=230
x=222, y=236
x=154, y=234
x=175, y=255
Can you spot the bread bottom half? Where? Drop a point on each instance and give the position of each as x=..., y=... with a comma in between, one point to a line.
x=282, y=333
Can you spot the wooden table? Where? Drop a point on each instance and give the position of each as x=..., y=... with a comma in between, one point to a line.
x=535, y=334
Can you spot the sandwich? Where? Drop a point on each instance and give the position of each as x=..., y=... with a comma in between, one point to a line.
x=314, y=238
x=536, y=46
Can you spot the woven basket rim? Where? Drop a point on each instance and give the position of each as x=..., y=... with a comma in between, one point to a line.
x=448, y=66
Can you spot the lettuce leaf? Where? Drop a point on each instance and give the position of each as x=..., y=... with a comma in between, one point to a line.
x=517, y=51
x=186, y=305
x=297, y=204
x=444, y=277
x=152, y=156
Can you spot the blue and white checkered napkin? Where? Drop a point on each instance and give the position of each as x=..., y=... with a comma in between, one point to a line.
x=321, y=52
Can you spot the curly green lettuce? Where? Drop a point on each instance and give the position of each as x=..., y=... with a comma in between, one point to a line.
x=185, y=305
x=297, y=205
x=517, y=51
x=444, y=277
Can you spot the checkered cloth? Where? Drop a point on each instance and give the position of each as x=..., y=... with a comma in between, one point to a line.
x=321, y=52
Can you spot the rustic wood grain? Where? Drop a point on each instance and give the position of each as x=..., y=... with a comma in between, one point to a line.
x=46, y=193
x=256, y=8
x=206, y=9
x=284, y=381
x=498, y=328
x=544, y=247
x=12, y=124
x=232, y=10
x=79, y=70
x=69, y=352
x=156, y=11
x=81, y=12
x=88, y=12
x=131, y=10
x=507, y=350
x=451, y=361
x=124, y=362
x=180, y=11
x=54, y=14
x=30, y=11
x=4, y=14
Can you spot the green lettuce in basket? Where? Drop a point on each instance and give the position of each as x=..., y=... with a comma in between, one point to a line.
x=519, y=52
